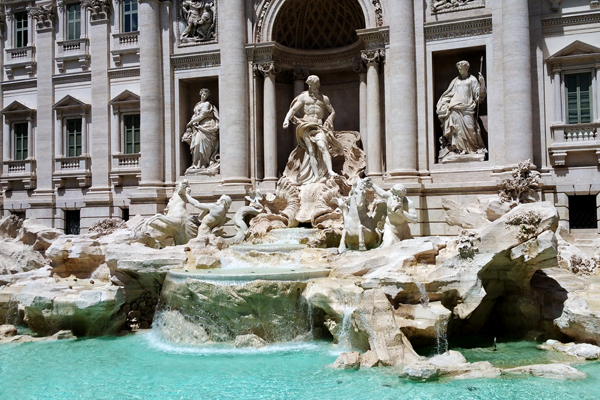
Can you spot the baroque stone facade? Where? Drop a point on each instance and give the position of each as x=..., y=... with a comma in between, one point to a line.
x=87, y=137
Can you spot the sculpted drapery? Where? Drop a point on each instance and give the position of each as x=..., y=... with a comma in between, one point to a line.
x=457, y=110
x=202, y=134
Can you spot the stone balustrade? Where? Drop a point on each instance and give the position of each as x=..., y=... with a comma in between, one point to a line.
x=77, y=168
x=571, y=139
x=18, y=171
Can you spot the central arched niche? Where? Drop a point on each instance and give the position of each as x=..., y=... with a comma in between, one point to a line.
x=318, y=24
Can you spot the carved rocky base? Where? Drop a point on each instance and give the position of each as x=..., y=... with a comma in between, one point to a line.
x=211, y=170
x=458, y=158
x=293, y=204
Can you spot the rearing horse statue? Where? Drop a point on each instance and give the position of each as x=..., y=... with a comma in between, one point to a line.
x=362, y=229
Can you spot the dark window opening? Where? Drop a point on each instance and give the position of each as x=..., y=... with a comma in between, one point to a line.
x=130, y=15
x=125, y=214
x=74, y=137
x=72, y=222
x=20, y=141
x=579, y=98
x=73, y=21
x=582, y=212
x=21, y=36
x=132, y=133
x=18, y=214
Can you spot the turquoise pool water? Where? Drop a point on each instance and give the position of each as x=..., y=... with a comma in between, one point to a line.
x=142, y=367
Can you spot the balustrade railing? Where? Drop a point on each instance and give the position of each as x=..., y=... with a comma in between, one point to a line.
x=575, y=132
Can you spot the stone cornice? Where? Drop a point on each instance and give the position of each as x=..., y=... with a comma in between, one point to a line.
x=292, y=58
x=453, y=30
x=19, y=85
x=375, y=38
x=72, y=78
x=583, y=19
x=123, y=72
x=196, y=61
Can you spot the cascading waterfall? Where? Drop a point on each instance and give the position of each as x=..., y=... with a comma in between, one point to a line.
x=350, y=304
x=441, y=329
x=424, y=295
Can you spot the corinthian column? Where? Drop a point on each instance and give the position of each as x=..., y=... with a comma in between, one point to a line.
x=233, y=93
x=100, y=141
x=401, y=128
x=269, y=70
x=360, y=69
x=151, y=99
x=372, y=59
x=516, y=56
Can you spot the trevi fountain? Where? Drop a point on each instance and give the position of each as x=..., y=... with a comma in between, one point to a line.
x=315, y=290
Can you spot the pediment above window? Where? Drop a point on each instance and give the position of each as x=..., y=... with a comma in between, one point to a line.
x=126, y=100
x=70, y=105
x=576, y=53
x=17, y=111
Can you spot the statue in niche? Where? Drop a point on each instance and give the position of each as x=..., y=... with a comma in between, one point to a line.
x=314, y=136
x=199, y=16
x=458, y=110
x=202, y=134
x=400, y=211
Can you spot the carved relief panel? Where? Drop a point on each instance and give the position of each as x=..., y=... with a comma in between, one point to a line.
x=444, y=6
x=196, y=22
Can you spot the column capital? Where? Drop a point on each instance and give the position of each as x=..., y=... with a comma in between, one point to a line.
x=359, y=67
x=373, y=57
x=268, y=68
x=99, y=9
x=44, y=16
x=300, y=74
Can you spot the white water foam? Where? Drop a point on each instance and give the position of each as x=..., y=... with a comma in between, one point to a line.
x=155, y=342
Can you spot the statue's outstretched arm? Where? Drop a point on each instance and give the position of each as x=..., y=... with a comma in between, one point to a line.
x=197, y=204
x=380, y=192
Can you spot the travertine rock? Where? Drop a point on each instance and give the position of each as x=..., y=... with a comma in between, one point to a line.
x=369, y=359
x=7, y=331
x=422, y=322
x=349, y=360
x=419, y=372
x=176, y=328
x=16, y=257
x=551, y=371
x=85, y=308
x=29, y=231
x=107, y=226
x=271, y=310
x=77, y=255
x=250, y=340
x=374, y=318
x=580, y=350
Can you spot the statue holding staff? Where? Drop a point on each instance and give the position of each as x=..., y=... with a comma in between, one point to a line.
x=458, y=110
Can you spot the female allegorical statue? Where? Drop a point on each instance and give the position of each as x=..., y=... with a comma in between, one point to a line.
x=202, y=134
x=457, y=110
